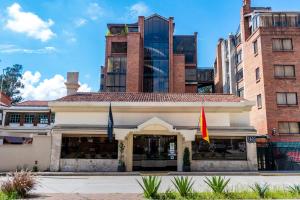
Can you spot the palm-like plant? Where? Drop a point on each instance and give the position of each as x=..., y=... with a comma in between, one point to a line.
x=217, y=184
x=183, y=185
x=150, y=186
x=295, y=189
x=261, y=190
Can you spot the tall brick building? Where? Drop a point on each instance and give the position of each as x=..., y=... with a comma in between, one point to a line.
x=267, y=52
x=147, y=57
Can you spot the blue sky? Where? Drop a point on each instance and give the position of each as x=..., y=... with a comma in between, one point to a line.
x=51, y=37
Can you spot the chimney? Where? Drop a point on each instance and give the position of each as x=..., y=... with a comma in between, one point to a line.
x=247, y=3
x=247, y=6
x=72, y=83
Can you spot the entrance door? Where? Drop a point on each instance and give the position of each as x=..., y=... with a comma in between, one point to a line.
x=154, y=152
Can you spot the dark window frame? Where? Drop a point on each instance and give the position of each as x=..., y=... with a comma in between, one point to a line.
x=43, y=119
x=239, y=57
x=255, y=47
x=288, y=122
x=241, y=92
x=29, y=118
x=284, y=71
x=257, y=74
x=282, y=46
x=259, y=101
x=115, y=49
x=240, y=75
x=286, y=98
x=87, y=147
x=221, y=153
x=15, y=118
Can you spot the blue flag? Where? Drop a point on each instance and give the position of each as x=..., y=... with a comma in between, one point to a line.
x=110, y=126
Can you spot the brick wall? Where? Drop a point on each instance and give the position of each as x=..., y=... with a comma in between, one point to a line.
x=179, y=73
x=218, y=70
x=133, y=75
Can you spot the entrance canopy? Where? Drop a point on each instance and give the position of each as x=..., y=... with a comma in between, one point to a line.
x=155, y=125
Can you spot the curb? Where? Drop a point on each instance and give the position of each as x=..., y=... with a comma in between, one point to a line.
x=158, y=173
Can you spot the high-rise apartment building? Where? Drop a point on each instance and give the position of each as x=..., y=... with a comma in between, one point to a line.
x=266, y=61
x=147, y=57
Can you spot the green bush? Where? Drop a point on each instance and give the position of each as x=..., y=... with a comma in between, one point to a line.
x=261, y=190
x=10, y=196
x=150, y=186
x=183, y=185
x=217, y=184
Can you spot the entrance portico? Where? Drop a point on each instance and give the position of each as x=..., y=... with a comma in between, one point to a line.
x=154, y=127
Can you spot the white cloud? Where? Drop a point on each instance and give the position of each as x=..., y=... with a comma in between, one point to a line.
x=28, y=23
x=47, y=89
x=138, y=9
x=80, y=22
x=94, y=11
x=69, y=36
x=10, y=49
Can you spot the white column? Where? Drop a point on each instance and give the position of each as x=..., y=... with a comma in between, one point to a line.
x=56, y=138
x=252, y=156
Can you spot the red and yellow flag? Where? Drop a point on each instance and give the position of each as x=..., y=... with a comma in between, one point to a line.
x=203, y=126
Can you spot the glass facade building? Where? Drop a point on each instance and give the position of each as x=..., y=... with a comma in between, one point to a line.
x=156, y=55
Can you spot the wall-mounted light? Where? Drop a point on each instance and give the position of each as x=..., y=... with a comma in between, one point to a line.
x=274, y=131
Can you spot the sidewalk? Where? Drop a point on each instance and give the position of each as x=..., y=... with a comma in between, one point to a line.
x=158, y=173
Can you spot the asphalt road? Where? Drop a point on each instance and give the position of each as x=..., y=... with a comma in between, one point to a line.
x=128, y=184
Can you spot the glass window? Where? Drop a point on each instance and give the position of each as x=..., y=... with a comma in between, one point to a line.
x=156, y=55
x=116, y=74
x=282, y=44
x=15, y=118
x=43, y=119
x=190, y=74
x=240, y=92
x=93, y=147
x=257, y=74
x=281, y=98
x=119, y=47
x=17, y=140
x=231, y=148
x=185, y=45
x=287, y=98
x=29, y=118
x=279, y=71
x=288, y=127
x=289, y=71
x=282, y=71
x=239, y=75
x=287, y=44
x=283, y=127
x=239, y=57
x=259, y=104
x=255, y=49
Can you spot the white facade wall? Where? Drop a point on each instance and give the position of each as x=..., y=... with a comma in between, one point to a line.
x=176, y=119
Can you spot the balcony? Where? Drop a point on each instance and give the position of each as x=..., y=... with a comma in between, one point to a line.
x=275, y=20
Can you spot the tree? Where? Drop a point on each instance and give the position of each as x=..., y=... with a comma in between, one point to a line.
x=12, y=84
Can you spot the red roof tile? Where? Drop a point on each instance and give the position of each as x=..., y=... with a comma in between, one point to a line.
x=149, y=97
x=33, y=103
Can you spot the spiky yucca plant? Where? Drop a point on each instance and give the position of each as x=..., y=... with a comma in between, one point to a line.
x=295, y=189
x=260, y=189
x=150, y=186
x=183, y=185
x=217, y=184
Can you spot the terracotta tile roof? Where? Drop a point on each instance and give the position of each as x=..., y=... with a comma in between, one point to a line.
x=33, y=103
x=148, y=97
